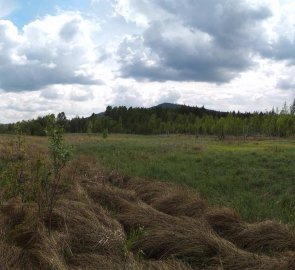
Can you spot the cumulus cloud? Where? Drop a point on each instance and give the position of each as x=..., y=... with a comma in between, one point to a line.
x=23, y=104
x=285, y=80
x=9, y=41
x=282, y=49
x=81, y=95
x=282, y=46
x=69, y=30
x=186, y=40
x=50, y=94
x=54, y=50
x=168, y=95
x=127, y=96
x=135, y=95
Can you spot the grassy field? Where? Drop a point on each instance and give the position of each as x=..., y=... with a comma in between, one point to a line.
x=100, y=219
x=256, y=177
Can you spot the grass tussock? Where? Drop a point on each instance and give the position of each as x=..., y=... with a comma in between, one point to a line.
x=171, y=264
x=265, y=237
x=189, y=240
x=94, y=262
x=170, y=199
x=9, y=257
x=180, y=202
x=148, y=191
x=262, y=237
x=91, y=229
x=111, y=197
x=105, y=221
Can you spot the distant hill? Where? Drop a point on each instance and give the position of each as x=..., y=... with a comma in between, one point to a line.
x=167, y=105
x=98, y=115
x=173, y=106
x=185, y=109
x=165, y=118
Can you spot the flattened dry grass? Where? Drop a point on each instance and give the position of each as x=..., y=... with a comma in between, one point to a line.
x=166, y=265
x=189, y=240
x=263, y=237
x=111, y=222
x=95, y=262
x=9, y=256
x=168, y=198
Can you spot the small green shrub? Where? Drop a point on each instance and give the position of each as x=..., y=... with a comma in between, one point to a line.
x=32, y=176
x=105, y=133
x=59, y=155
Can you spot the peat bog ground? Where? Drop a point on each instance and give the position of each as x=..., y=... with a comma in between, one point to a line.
x=255, y=177
x=112, y=214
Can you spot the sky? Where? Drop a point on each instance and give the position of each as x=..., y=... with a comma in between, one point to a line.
x=80, y=56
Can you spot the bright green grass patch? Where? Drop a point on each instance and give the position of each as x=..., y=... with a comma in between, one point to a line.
x=257, y=178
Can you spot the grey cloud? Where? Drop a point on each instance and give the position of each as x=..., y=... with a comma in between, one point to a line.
x=130, y=96
x=102, y=53
x=282, y=49
x=50, y=94
x=81, y=96
x=228, y=22
x=171, y=96
x=69, y=30
x=211, y=41
x=286, y=83
x=30, y=106
x=158, y=59
x=15, y=78
x=127, y=96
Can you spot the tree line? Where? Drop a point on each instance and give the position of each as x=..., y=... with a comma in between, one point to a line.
x=171, y=119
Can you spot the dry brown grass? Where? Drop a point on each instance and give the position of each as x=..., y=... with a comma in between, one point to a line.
x=166, y=265
x=105, y=221
x=92, y=261
x=148, y=191
x=262, y=237
x=169, y=198
x=9, y=257
x=192, y=241
x=110, y=197
x=91, y=229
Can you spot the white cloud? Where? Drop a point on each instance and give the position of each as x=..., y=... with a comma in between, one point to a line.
x=167, y=95
x=57, y=49
x=81, y=95
x=50, y=93
x=286, y=80
x=128, y=96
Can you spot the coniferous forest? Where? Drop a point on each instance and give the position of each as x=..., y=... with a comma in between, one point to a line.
x=169, y=118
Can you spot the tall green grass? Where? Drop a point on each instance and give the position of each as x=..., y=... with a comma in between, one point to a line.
x=255, y=177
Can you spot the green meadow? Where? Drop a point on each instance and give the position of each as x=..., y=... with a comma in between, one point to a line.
x=255, y=177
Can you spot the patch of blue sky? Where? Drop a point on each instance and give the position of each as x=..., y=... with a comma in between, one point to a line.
x=30, y=10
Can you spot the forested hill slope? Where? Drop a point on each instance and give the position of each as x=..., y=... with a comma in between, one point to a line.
x=168, y=118
x=191, y=109
x=184, y=109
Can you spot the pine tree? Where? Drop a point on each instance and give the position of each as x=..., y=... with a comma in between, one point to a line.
x=292, y=107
